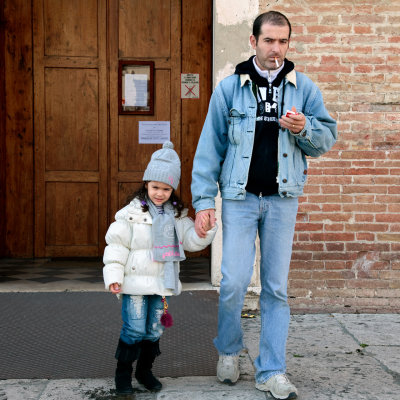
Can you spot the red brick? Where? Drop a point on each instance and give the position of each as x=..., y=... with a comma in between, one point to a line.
x=305, y=283
x=365, y=236
x=332, y=237
x=297, y=274
x=367, y=283
x=365, y=189
x=334, y=227
x=334, y=246
x=364, y=217
x=356, y=246
x=331, y=208
x=365, y=292
x=300, y=246
x=393, y=217
x=390, y=274
x=301, y=255
x=388, y=293
x=306, y=264
x=391, y=237
x=336, y=264
x=308, y=227
x=333, y=256
x=366, y=227
x=364, y=207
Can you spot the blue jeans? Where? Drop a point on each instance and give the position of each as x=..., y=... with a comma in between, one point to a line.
x=274, y=218
x=141, y=316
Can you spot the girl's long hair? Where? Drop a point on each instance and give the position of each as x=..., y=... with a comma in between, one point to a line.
x=141, y=195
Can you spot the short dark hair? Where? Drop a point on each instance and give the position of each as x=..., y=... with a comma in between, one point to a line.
x=270, y=17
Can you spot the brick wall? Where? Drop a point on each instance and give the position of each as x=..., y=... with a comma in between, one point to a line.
x=347, y=244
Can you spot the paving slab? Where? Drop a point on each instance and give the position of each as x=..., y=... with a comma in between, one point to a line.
x=18, y=389
x=372, y=329
x=388, y=356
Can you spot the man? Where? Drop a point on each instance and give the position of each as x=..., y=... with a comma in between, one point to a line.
x=255, y=154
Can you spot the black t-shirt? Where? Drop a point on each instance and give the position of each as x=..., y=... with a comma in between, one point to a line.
x=263, y=170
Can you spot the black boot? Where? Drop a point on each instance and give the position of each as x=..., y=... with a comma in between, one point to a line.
x=126, y=354
x=148, y=352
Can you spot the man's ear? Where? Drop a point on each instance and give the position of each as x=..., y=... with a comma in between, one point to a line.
x=253, y=41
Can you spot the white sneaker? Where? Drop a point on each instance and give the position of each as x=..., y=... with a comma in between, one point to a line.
x=279, y=386
x=228, y=369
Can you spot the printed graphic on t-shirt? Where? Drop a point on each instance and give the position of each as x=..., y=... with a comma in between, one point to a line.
x=267, y=108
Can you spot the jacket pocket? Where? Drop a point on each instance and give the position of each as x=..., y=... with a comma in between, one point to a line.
x=236, y=121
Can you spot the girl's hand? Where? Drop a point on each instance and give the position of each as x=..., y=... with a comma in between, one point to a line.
x=115, y=288
x=204, y=219
x=209, y=223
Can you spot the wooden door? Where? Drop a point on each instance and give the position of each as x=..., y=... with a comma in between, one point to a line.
x=87, y=157
x=70, y=101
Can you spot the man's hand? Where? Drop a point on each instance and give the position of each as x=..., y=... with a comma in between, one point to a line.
x=205, y=220
x=295, y=122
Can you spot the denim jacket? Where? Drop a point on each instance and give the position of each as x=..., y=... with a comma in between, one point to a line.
x=225, y=146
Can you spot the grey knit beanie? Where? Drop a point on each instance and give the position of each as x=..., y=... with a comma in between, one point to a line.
x=164, y=166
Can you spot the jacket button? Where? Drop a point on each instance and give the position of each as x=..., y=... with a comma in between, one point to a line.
x=145, y=219
x=284, y=154
x=303, y=134
x=284, y=180
x=305, y=172
x=284, y=193
x=130, y=218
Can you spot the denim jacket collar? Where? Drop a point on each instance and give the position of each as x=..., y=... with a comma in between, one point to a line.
x=290, y=77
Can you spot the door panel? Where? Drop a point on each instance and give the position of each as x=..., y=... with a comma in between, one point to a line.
x=70, y=27
x=72, y=214
x=145, y=28
x=70, y=102
x=72, y=140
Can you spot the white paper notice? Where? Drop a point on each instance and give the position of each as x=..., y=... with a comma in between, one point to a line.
x=136, y=90
x=154, y=131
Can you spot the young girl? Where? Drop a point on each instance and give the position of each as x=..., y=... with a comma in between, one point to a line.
x=144, y=247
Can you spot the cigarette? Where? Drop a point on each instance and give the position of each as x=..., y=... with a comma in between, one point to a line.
x=276, y=62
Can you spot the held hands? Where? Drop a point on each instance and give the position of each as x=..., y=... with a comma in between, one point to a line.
x=205, y=220
x=294, y=122
x=115, y=288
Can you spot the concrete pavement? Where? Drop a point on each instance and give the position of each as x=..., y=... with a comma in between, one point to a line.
x=329, y=357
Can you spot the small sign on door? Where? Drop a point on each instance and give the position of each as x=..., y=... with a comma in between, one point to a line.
x=190, y=86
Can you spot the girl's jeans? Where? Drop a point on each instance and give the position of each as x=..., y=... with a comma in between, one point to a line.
x=141, y=317
x=274, y=218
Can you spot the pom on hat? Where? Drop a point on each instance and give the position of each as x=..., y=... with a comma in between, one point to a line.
x=168, y=145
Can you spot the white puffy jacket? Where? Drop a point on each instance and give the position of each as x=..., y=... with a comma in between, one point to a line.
x=128, y=254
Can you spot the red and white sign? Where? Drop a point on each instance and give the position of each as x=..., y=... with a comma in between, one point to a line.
x=190, y=86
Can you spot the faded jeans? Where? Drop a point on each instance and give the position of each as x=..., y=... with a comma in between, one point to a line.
x=274, y=218
x=141, y=316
